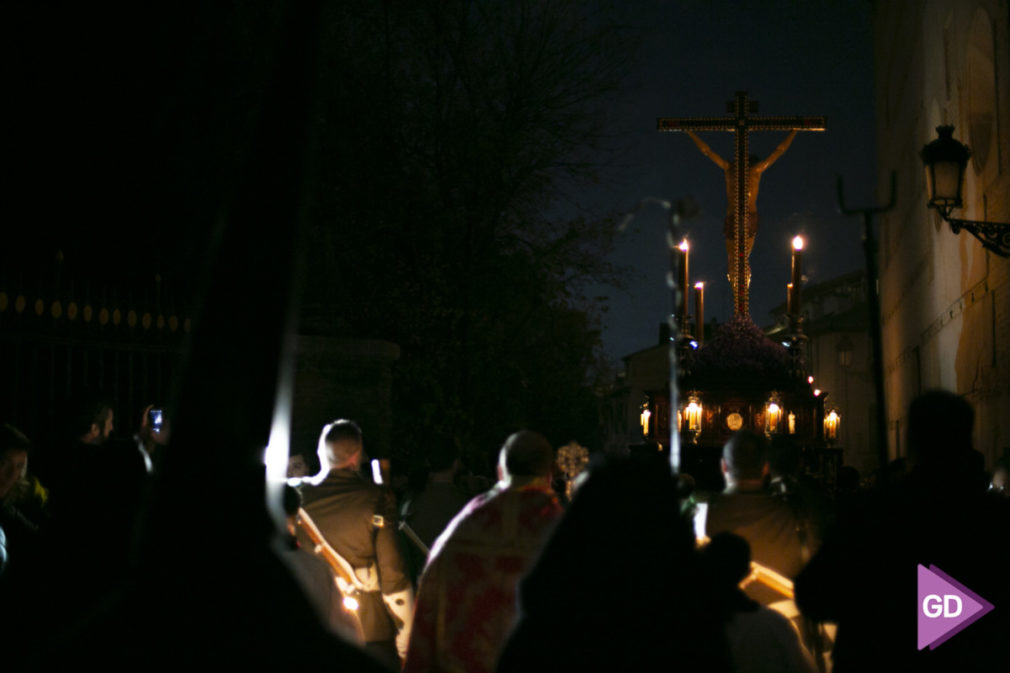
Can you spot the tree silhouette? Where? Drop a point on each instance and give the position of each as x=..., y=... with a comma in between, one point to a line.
x=452, y=132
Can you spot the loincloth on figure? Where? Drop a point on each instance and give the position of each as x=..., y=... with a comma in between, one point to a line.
x=730, y=231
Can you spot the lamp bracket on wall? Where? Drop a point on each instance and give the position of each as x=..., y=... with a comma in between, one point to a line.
x=994, y=236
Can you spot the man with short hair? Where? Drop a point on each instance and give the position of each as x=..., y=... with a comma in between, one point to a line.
x=99, y=426
x=748, y=510
x=467, y=599
x=429, y=511
x=358, y=519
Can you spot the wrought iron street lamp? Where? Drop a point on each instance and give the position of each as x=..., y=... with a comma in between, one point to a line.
x=945, y=160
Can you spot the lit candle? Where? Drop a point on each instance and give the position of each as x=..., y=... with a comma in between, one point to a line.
x=684, y=299
x=693, y=414
x=797, y=272
x=831, y=425
x=774, y=413
x=699, y=312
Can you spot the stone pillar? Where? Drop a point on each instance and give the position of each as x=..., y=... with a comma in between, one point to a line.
x=343, y=378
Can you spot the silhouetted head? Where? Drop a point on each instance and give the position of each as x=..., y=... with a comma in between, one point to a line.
x=442, y=453
x=895, y=472
x=297, y=466
x=940, y=424
x=744, y=457
x=726, y=559
x=341, y=445
x=91, y=419
x=624, y=522
x=526, y=454
x=848, y=479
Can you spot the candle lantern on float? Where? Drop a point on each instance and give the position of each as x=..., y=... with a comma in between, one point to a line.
x=831, y=422
x=691, y=417
x=773, y=416
x=740, y=379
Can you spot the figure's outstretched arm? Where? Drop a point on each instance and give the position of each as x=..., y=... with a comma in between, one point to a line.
x=779, y=151
x=708, y=151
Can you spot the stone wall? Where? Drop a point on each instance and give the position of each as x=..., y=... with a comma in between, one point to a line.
x=945, y=300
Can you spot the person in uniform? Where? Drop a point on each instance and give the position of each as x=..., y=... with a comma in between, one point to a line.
x=358, y=519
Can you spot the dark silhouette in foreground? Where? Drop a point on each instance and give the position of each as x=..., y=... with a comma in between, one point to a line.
x=619, y=584
x=760, y=639
x=864, y=576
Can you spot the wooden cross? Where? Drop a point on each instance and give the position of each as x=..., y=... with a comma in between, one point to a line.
x=741, y=122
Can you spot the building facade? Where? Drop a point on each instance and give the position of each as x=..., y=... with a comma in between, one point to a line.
x=945, y=300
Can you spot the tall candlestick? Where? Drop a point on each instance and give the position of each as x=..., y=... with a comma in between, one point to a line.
x=684, y=298
x=797, y=272
x=699, y=312
x=789, y=299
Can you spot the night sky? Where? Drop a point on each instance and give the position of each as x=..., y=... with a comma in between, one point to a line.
x=809, y=58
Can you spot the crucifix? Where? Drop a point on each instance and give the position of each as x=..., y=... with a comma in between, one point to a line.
x=741, y=218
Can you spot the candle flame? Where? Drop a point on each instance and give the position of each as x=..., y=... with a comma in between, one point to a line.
x=699, y=285
x=831, y=425
x=693, y=413
x=798, y=243
x=684, y=246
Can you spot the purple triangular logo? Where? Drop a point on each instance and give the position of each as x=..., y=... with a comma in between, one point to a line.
x=946, y=607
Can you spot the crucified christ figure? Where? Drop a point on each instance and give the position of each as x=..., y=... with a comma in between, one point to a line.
x=757, y=167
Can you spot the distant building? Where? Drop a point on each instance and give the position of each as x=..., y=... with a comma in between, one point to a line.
x=646, y=373
x=945, y=300
x=839, y=357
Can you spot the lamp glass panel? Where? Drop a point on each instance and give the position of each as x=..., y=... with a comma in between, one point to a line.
x=946, y=182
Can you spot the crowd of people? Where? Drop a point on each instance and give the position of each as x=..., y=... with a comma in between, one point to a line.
x=774, y=573
x=67, y=512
